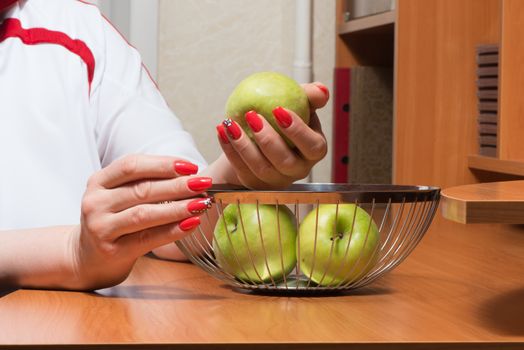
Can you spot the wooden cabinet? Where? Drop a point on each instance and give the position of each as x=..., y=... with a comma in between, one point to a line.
x=366, y=46
x=431, y=46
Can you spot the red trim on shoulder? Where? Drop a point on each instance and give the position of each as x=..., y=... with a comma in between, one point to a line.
x=12, y=28
x=87, y=3
x=128, y=43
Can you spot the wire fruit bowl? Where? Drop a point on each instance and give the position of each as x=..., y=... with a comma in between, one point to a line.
x=309, y=237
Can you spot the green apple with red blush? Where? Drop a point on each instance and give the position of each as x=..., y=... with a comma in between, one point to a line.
x=264, y=92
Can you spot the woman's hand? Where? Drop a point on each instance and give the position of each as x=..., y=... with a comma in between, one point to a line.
x=269, y=162
x=132, y=206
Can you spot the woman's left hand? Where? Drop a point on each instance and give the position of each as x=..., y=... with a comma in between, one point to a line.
x=269, y=162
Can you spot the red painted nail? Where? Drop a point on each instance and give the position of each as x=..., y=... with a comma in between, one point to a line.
x=254, y=121
x=323, y=89
x=282, y=116
x=189, y=223
x=233, y=129
x=222, y=133
x=199, y=205
x=198, y=184
x=185, y=168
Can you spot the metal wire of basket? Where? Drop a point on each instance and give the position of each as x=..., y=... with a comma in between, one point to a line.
x=398, y=219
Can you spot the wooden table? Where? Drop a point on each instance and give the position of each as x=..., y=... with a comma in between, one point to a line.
x=462, y=287
x=491, y=202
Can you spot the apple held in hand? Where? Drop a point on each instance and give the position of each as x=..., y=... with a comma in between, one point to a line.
x=247, y=243
x=263, y=92
x=333, y=262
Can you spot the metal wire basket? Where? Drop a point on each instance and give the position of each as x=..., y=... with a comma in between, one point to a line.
x=309, y=237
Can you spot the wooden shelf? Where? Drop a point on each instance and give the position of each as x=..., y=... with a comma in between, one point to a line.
x=510, y=167
x=492, y=202
x=375, y=23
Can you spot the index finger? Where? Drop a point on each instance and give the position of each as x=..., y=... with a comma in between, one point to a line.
x=136, y=167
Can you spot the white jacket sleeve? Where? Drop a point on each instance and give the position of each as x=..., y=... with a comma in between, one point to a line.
x=132, y=116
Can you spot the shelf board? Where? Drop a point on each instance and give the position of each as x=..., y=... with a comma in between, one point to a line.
x=510, y=167
x=379, y=22
x=492, y=202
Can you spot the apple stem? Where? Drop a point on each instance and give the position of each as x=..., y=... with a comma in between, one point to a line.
x=339, y=235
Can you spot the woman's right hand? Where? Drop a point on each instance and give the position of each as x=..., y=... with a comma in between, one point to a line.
x=132, y=206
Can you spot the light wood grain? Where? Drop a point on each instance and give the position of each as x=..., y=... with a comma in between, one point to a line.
x=436, y=105
x=460, y=287
x=493, y=202
x=511, y=123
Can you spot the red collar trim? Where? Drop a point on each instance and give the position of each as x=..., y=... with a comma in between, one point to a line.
x=12, y=28
x=5, y=3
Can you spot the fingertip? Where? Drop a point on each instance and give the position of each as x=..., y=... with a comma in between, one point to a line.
x=254, y=121
x=282, y=117
x=189, y=223
x=322, y=88
x=221, y=132
x=317, y=93
x=185, y=168
x=232, y=128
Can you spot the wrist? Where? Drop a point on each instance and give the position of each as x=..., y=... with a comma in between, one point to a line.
x=92, y=270
x=222, y=171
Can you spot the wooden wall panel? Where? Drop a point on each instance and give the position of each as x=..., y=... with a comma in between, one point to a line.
x=435, y=113
x=511, y=117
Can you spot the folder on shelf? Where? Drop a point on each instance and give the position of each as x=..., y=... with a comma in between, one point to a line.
x=341, y=112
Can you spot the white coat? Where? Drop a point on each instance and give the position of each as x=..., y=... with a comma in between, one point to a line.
x=74, y=96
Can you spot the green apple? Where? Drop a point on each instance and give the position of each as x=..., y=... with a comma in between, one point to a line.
x=263, y=92
x=247, y=243
x=347, y=241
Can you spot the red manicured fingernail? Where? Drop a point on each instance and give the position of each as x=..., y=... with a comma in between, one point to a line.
x=282, y=116
x=222, y=133
x=185, y=168
x=189, y=223
x=199, y=205
x=233, y=129
x=198, y=184
x=254, y=121
x=323, y=89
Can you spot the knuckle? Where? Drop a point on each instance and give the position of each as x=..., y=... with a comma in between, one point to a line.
x=264, y=141
x=242, y=147
x=139, y=215
x=177, y=186
x=264, y=170
x=92, y=181
x=181, y=211
x=95, y=227
x=303, y=172
x=108, y=249
x=142, y=190
x=144, y=238
x=129, y=164
x=294, y=131
x=289, y=163
x=318, y=150
x=89, y=205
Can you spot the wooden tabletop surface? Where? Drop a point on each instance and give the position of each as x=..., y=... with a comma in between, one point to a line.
x=462, y=287
x=491, y=202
